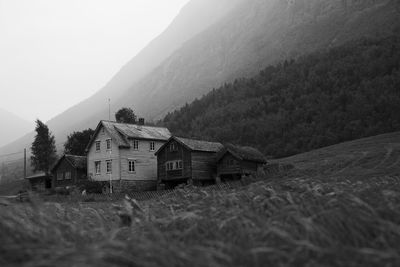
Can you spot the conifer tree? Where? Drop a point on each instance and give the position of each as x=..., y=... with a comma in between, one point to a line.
x=43, y=148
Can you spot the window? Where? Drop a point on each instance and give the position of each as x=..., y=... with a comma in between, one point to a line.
x=152, y=146
x=108, y=144
x=97, y=143
x=174, y=165
x=97, y=167
x=173, y=147
x=68, y=176
x=60, y=176
x=131, y=165
x=136, y=144
x=109, y=166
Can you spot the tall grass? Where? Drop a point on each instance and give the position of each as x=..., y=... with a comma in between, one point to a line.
x=291, y=222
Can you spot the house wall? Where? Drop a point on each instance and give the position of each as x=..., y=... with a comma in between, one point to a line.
x=103, y=155
x=145, y=161
x=180, y=154
x=62, y=168
x=204, y=165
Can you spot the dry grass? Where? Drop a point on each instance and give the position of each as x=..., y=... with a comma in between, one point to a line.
x=328, y=211
x=295, y=222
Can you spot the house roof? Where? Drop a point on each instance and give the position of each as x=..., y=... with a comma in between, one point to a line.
x=37, y=176
x=195, y=145
x=242, y=153
x=78, y=162
x=122, y=132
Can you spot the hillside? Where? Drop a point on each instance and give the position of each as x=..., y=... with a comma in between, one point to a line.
x=376, y=156
x=13, y=127
x=217, y=41
x=348, y=92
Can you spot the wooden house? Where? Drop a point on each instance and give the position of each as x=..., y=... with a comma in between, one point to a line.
x=39, y=181
x=233, y=162
x=68, y=171
x=183, y=160
x=123, y=155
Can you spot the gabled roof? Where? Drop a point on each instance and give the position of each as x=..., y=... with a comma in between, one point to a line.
x=195, y=145
x=38, y=176
x=242, y=153
x=122, y=132
x=78, y=162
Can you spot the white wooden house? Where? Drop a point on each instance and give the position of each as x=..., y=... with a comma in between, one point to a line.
x=124, y=154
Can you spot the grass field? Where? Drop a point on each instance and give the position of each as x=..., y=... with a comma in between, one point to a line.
x=338, y=206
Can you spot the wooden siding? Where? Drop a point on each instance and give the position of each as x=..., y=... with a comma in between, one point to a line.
x=145, y=161
x=204, y=166
x=165, y=155
x=103, y=155
x=228, y=164
x=62, y=168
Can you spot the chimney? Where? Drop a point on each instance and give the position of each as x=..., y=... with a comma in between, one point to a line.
x=141, y=121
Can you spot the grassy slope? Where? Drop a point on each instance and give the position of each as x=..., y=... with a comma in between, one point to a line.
x=339, y=206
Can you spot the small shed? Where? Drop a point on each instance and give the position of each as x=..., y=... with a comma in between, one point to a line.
x=69, y=170
x=233, y=162
x=183, y=160
x=39, y=181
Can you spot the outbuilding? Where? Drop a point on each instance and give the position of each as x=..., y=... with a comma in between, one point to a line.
x=39, y=181
x=233, y=162
x=183, y=160
x=69, y=170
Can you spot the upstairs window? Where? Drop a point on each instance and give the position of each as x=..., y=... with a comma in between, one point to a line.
x=135, y=144
x=97, y=167
x=97, y=144
x=152, y=146
x=60, y=176
x=131, y=165
x=108, y=144
x=68, y=176
x=173, y=147
x=109, y=166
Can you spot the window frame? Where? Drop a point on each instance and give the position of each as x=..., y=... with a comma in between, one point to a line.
x=174, y=165
x=67, y=176
x=133, y=164
x=60, y=176
x=173, y=147
x=108, y=142
x=135, y=144
x=152, y=146
x=97, y=145
x=97, y=171
x=109, y=164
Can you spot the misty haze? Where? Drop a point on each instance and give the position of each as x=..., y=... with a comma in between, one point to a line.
x=200, y=132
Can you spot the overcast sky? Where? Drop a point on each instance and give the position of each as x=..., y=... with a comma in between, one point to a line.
x=55, y=53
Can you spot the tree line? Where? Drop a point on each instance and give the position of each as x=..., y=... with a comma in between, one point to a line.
x=347, y=92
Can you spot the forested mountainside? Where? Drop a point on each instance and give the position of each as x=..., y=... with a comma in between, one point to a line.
x=348, y=92
x=252, y=36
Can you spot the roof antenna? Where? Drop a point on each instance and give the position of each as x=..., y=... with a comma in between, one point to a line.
x=109, y=111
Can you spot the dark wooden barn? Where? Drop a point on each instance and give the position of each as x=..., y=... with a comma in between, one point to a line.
x=233, y=162
x=68, y=171
x=183, y=160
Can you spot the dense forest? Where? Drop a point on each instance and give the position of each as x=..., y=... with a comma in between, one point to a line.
x=344, y=93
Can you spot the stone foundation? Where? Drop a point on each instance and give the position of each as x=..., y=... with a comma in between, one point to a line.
x=123, y=186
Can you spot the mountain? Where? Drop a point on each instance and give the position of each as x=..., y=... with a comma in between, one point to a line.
x=194, y=18
x=13, y=127
x=212, y=42
x=348, y=92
